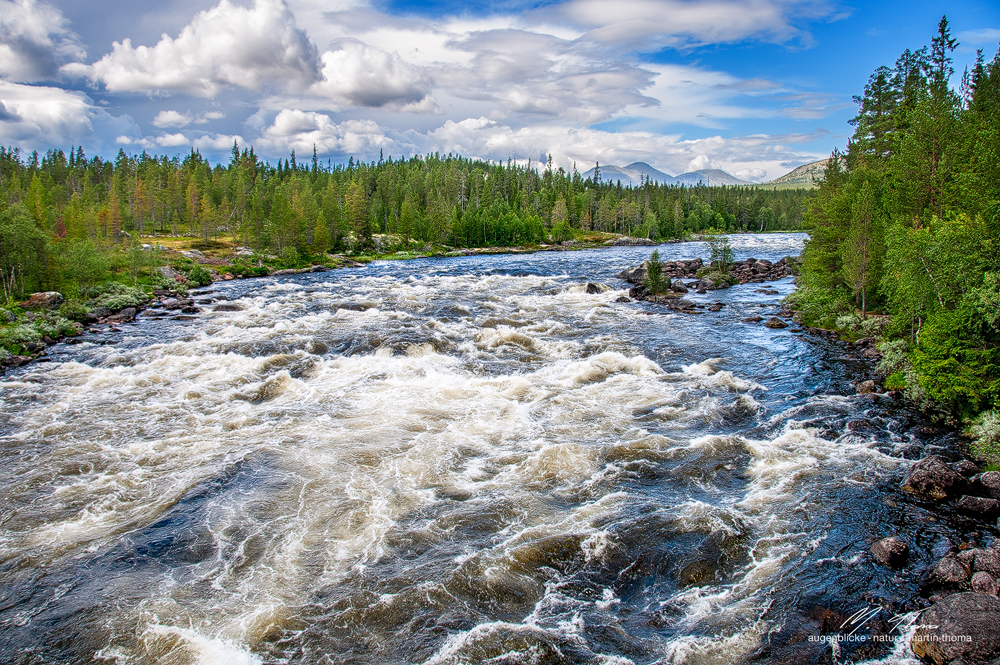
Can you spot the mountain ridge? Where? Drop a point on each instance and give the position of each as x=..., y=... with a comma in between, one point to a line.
x=634, y=174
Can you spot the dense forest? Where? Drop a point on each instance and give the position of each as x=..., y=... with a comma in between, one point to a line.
x=907, y=226
x=57, y=210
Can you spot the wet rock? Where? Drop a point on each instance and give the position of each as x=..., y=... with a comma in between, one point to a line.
x=943, y=626
x=890, y=551
x=318, y=269
x=987, y=561
x=593, y=288
x=638, y=292
x=979, y=506
x=701, y=291
x=984, y=583
x=177, y=303
x=753, y=319
x=678, y=286
x=44, y=299
x=950, y=571
x=183, y=317
x=15, y=361
x=706, y=283
x=969, y=469
x=190, y=309
x=967, y=557
x=775, y=322
x=124, y=316
x=988, y=483
x=228, y=307
x=634, y=275
x=716, y=307
x=932, y=479
x=681, y=305
x=866, y=387
x=623, y=299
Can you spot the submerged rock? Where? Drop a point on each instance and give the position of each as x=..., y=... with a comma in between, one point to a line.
x=890, y=551
x=963, y=626
x=932, y=479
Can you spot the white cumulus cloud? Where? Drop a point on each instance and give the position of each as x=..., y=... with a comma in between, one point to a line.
x=32, y=114
x=34, y=41
x=227, y=45
x=359, y=75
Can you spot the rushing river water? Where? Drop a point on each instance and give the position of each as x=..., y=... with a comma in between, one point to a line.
x=447, y=461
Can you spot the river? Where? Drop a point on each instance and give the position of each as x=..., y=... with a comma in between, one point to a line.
x=452, y=460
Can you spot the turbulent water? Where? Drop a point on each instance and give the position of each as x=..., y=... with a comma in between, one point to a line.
x=448, y=461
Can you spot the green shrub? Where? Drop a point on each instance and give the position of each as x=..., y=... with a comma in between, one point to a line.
x=985, y=431
x=199, y=276
x=14, y=337
x=895, y=381
x=242, y=268
x=74, y=310
x=116, y=296
x=55, y=326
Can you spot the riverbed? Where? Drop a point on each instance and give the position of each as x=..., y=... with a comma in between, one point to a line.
x=455, y=460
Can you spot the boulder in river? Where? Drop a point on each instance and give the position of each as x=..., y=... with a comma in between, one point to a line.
x=979, y=506
x=988, y=483
x=866, y=387
x=950, y=571
x=44, y=299
x=775, y=322
x=932, y=479
x=969, y=469
x=124, y=316
x=984, y=583
x=962, y=627
x=987, y=561
x=597, y=288
x=890, y=551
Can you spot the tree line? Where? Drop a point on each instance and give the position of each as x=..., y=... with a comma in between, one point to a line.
x=907, y=225
x=78, y=204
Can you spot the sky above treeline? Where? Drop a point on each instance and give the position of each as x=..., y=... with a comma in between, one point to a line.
x=751, y=87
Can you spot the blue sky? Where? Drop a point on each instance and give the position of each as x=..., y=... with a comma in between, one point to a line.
x=752, y=87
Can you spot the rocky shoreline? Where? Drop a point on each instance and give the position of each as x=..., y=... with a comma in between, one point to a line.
x=961, y=589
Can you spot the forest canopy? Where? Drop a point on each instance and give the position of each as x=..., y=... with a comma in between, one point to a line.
x=907, y=225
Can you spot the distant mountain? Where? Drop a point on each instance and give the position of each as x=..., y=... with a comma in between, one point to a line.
x=636, y=172
x=711, y=177
x=804, y=176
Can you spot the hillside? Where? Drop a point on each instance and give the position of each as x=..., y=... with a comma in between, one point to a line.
x=804, y=177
